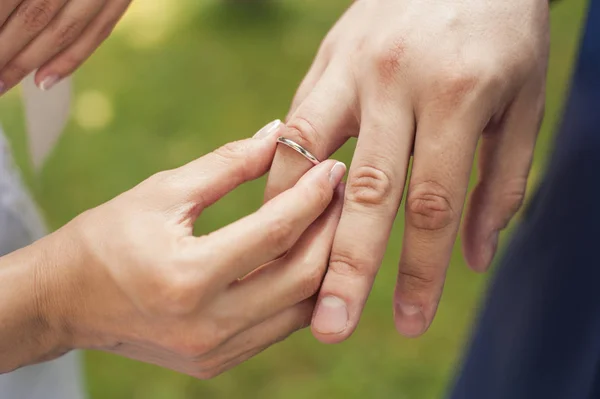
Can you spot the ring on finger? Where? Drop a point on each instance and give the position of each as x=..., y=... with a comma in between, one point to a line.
x=298, y=148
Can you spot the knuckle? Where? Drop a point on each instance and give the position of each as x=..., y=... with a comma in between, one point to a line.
x=457, y=85
x=494, y=80
x=346, y=264
x=167, y=181
x=280, y=233
x=368, y=185
x=175, y=293
x=389, y=59
x=303, y=131
x=327, y=48
x=160, y=177
x=231, y=152
x=170, y=180
x=235, y=158
x=429, y=207
x=36, y=14
x=414, y=280
x=66, y=32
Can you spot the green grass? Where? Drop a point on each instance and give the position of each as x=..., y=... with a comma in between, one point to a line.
x=174, y=85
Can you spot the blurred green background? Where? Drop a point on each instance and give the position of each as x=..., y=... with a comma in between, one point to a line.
x=179, y=78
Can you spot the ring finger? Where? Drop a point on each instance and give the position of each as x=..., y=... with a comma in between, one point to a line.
x=322, y=123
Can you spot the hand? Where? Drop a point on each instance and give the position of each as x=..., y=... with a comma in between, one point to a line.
x=430, y=79
x=133, y=280
x=56, y=36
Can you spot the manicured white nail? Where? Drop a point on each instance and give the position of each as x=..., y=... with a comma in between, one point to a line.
x=336, y=174
x=49, y=82
x=268, y=130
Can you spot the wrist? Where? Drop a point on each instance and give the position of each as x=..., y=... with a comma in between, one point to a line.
x=33, y=307
x=55, y=289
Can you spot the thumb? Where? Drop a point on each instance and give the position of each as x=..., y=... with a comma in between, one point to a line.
x=204, y=181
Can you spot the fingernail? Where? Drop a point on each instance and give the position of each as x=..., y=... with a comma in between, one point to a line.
x=410, y=320
x=331, y=316
x=49, y=82
x=268, y=130
x=336, y=174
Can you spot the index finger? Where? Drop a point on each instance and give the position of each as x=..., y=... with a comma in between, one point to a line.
x=241, y=247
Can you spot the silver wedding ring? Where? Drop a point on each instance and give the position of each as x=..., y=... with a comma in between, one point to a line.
x=298, y=148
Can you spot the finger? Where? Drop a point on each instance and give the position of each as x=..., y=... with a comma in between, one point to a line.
x=373, y=194
x=24, y=24
x=7, y=8
x=202, y=182
x=286, y=281
x=61, y=32
x=256, y=339
x=318, y=67
x=443, y=156
x=321, y=124
x=308, y=84
x=67, y=61
x=269, y=232
x=505, y=157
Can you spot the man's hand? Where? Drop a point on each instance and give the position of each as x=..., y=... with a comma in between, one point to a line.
x=54, y=36
x=129, y=277
x=430, y=79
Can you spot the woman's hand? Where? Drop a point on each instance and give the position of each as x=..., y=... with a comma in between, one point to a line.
x=56, y=36
x=130, y=278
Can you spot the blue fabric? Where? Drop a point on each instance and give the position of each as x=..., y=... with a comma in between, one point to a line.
x=538, y=335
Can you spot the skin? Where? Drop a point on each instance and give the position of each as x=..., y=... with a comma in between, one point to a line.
x=53, y=36
x=130, y=278
x=427, y=79
x=431, y=80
